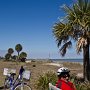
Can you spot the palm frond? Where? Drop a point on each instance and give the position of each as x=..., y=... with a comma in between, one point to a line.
x=80, y=4
x=81, y=43
x=62, y=32
x=65, y=47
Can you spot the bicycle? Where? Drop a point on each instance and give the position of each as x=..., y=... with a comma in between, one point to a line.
x=15, y=84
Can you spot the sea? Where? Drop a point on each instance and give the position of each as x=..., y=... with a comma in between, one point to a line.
x=68, y=60
x=63, y=60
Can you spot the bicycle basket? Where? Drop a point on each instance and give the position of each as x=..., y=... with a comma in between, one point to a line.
x=7, y=71
x=26, y=74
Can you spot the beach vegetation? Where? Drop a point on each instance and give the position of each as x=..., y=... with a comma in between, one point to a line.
x=23, y=56
x=14, y=57
x=10, y=50
x=7, y=56
x=44, y=80
x=18, y=48
x=75, y=27
x=79, y=83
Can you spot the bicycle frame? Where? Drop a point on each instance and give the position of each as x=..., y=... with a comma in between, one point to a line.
x=13, y=81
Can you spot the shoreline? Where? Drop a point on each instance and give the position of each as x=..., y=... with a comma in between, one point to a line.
x=57, y=61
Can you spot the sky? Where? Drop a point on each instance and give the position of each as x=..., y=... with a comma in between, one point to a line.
x=30, y=23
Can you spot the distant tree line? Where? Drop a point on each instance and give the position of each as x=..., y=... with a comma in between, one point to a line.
x=21, y=56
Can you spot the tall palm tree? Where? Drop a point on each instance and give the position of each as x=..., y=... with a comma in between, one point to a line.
x=75, y=27
x=18, y=48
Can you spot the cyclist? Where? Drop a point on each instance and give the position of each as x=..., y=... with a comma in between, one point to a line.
x=63, y=79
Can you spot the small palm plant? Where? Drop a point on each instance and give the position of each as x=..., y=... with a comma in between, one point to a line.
x=44, y=80
x=86, y=85
x=79, y=83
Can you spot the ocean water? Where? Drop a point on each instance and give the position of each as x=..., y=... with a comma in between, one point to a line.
x=68, y=60
x=62, y=60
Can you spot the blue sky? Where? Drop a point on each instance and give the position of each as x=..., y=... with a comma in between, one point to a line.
x=30, y=23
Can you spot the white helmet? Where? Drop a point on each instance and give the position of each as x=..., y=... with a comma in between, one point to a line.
x=62, y=70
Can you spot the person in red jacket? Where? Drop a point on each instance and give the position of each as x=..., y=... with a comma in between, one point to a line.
x=63, y=79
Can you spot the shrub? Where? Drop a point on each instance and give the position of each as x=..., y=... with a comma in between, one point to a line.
x=79, y=83
x=44, y=80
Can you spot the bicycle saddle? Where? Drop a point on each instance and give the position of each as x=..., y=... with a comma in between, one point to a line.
x=13, y=74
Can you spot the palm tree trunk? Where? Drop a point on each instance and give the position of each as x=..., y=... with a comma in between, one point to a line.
x=18, y=55
x=86, y=62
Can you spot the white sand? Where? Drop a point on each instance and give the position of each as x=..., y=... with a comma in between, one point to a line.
x=54, y=64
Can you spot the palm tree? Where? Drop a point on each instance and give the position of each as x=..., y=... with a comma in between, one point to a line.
x=14, y=57
x=7, y=56
x=10, y=51
x=23, y=56
x=18, y=48
x=75, y=27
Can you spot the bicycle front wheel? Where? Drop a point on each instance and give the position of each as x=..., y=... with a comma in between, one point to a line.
x=22, y=87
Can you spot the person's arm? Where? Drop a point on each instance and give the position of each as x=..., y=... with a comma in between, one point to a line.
x=52, y=87
x=57, y=83
x=73, y=86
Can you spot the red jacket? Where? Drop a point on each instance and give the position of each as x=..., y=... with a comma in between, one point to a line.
x=65, y=85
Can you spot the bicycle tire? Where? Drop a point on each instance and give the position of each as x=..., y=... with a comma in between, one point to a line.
x=20, y=87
